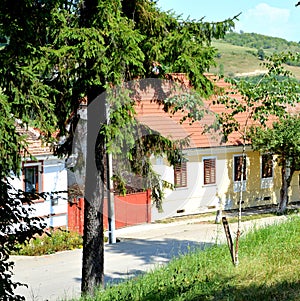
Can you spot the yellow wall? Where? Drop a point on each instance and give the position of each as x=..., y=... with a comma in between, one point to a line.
x=254, y=195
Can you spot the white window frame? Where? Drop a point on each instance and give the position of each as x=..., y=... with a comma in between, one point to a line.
x=39, y=165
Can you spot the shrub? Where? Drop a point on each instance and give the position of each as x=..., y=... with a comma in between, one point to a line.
x=50, y=242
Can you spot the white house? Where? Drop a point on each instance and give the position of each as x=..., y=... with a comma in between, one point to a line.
x=42, y=172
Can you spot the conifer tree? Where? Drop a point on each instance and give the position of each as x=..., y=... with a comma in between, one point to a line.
x=54, y=53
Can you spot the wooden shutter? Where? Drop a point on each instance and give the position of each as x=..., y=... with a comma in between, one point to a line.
x=238, y=168
x=180, y=175
x=267, y=166
x=209, y=171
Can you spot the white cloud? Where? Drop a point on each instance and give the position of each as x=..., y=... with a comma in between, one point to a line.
x=265, y=19
x=268, y=13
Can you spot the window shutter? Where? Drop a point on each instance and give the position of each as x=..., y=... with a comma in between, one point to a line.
x=238, y=168
x=180, y=174
x=209, y=171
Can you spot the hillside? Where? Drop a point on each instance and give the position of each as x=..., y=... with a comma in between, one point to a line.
x=242, y=54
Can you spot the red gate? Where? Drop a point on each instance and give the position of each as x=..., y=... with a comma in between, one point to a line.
x=130, y=210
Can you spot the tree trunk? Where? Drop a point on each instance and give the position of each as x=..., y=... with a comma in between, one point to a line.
x=93, y=243
x=286, y=177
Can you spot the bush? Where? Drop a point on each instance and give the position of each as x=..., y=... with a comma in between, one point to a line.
x=17, y=226
x=50, y=242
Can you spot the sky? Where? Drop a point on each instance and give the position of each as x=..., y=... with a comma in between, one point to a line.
x=276, y=18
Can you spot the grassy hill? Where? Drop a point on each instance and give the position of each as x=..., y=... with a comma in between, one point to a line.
x=238, y=54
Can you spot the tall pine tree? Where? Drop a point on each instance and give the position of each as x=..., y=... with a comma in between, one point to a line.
x=56, y=52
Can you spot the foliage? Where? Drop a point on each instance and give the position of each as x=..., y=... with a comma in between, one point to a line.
x=263, y=275
x=10, y=142
x=17, y=226
x=50, y=242
x=268, y=98
x=259, y=41
x=282, y=140
x=261, y=54
x=57, y=52
x=255, y=80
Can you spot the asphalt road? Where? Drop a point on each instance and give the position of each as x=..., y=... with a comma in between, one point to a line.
x=142, y=248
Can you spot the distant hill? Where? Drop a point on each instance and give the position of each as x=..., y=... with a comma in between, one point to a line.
x=259, y=41
x=242, y=54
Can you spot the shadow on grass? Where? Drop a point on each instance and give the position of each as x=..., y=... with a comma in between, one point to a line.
x=221, y=290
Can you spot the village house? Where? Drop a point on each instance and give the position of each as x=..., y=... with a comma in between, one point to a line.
x=210, y=176
x=207, y=179
x=45, y=174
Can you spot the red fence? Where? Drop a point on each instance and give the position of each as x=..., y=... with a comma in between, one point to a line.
x=131, y=209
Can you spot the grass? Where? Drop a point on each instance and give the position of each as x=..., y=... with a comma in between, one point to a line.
x=232, y=216
x=54, y=241
x=237, y=59
x=268, y=271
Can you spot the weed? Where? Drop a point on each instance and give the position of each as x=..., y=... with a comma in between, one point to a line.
x=50, y=242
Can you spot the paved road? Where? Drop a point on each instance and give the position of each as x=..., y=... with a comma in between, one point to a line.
x=142, y=248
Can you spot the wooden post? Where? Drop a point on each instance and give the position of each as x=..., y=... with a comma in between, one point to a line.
x=229, y=239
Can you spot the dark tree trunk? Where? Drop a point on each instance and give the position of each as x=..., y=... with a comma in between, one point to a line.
x=286, y=177
x=93, y=249
x=93, y=244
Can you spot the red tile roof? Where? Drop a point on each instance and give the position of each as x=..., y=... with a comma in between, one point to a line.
x=152, y=114
x=35, y=145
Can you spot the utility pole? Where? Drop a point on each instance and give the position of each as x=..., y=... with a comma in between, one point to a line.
x=110, y=192
x=110, y=201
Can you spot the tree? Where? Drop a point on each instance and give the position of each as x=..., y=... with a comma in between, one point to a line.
x=270, y=97
x=16, y=222
x=261, y=54
x=281, y=140
x=57, y=52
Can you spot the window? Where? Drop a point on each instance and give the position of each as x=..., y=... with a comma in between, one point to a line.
x=32, y=177
x=267, y=166
x=238, y=168
x=180, y=174
x=209, y=166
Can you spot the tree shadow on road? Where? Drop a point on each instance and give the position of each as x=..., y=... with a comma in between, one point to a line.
x=145, y=254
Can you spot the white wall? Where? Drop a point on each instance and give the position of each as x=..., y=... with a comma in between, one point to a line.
x=54, y=179
x=196, y=197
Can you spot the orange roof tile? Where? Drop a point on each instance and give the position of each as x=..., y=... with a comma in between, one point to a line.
x=35, y=145
x=152, y=114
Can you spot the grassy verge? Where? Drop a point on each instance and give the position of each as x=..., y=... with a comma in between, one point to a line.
x=54, y=241
x=268, y=270
x=209, y=218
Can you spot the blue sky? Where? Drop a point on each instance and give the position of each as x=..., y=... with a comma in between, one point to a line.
x=277, y=18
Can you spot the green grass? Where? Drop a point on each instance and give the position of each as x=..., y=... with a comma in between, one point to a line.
x=268, y=270
x=54, y=241
x=232, y=217
x=238, y=59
